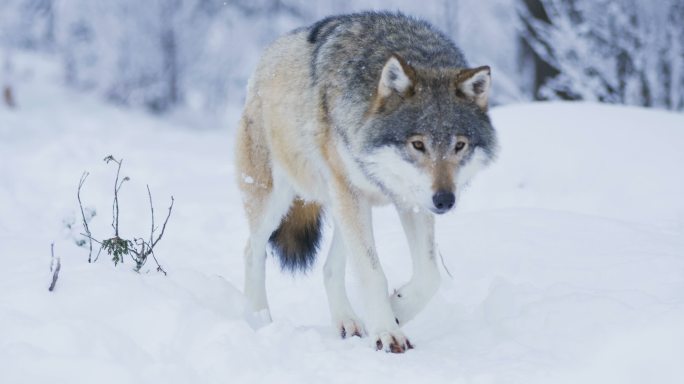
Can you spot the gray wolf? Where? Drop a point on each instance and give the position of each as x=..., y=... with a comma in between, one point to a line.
x=351, y=112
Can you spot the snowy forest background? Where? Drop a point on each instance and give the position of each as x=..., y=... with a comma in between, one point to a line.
x=165, y=55
x=563, y=263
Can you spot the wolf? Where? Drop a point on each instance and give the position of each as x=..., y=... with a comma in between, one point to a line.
x=352, y=112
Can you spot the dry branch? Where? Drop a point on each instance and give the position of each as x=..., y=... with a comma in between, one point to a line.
x=138, y=249
x=84, y=176
x=55, y=266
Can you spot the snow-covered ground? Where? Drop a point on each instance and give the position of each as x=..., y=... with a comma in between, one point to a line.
x=567, y=257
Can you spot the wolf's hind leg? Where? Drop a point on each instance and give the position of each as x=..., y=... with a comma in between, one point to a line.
x=411, y=298
x=265, y=215
x=341, y=312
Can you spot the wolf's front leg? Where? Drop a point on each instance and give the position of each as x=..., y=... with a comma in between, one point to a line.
x=341, y=312
x=353, y=218
x=410, y=299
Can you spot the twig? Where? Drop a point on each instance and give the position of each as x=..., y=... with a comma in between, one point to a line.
x=97, y=257
x=149, y=195
x=117, y=187
x=55, y=266
x=159, y=267
x=92, y=238
x=444, y=265
x=84, y=176
x=146, y=249
x=168, y=215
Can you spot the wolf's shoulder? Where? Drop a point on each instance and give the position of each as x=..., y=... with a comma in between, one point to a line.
x=323, y=28
x=376, y=35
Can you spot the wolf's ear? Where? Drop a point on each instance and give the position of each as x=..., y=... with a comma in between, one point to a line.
x=474, y=83
x=397, y=76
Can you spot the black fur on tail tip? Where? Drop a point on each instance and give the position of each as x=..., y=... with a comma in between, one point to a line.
x=296, y=245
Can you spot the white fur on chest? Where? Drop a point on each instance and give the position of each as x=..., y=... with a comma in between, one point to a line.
x=359, y=179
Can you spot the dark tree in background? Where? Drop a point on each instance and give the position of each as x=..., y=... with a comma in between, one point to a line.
x=531, y=63
x=7, y=88
x=198, y=54
x=165, y=53
x=24, y=24
x=627, y=52
x=127, y=50
x=169, y=47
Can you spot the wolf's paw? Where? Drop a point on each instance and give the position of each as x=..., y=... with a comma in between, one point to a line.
x=394, y=342
x=410, y=299
x=258, y=319
x=350, y=327
x=406, y=304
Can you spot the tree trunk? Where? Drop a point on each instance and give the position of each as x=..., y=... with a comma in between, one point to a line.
x=542, y=70
x=170, y=50
x=6, y=80
x=8, y=96
x=169, y=45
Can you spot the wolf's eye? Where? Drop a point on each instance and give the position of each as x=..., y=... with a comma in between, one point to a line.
x=460, y=145
x=418, y=145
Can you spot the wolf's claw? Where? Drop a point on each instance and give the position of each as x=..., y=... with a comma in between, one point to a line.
x=393, y=342
x=351, y=328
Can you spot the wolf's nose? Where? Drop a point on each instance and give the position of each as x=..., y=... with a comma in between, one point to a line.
x=443, y=201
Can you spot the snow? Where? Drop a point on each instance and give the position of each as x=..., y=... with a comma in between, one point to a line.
x=567, y=256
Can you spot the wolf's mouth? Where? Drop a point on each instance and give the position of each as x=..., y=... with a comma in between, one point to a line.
x=440, y=211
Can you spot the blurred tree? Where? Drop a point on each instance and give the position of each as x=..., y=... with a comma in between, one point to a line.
x=7, y=84
x=532, y=66
x=28, y=24
x=161, y=54
x=8, y=40
x=627, y=51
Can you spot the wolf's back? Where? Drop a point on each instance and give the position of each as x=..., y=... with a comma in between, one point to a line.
x=271, y=133
x=351, y=50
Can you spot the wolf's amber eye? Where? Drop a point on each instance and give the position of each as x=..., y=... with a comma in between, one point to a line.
x=418, y=145
x=460, y=145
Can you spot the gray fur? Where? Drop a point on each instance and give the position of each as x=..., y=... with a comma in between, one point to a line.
x=348, y=55
x=364, y=41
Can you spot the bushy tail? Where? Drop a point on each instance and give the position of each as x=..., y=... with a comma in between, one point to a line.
x=296, y=240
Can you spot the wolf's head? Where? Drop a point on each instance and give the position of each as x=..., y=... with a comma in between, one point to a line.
x=427, y=132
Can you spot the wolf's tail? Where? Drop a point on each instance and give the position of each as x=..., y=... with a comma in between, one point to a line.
x=296, y=240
